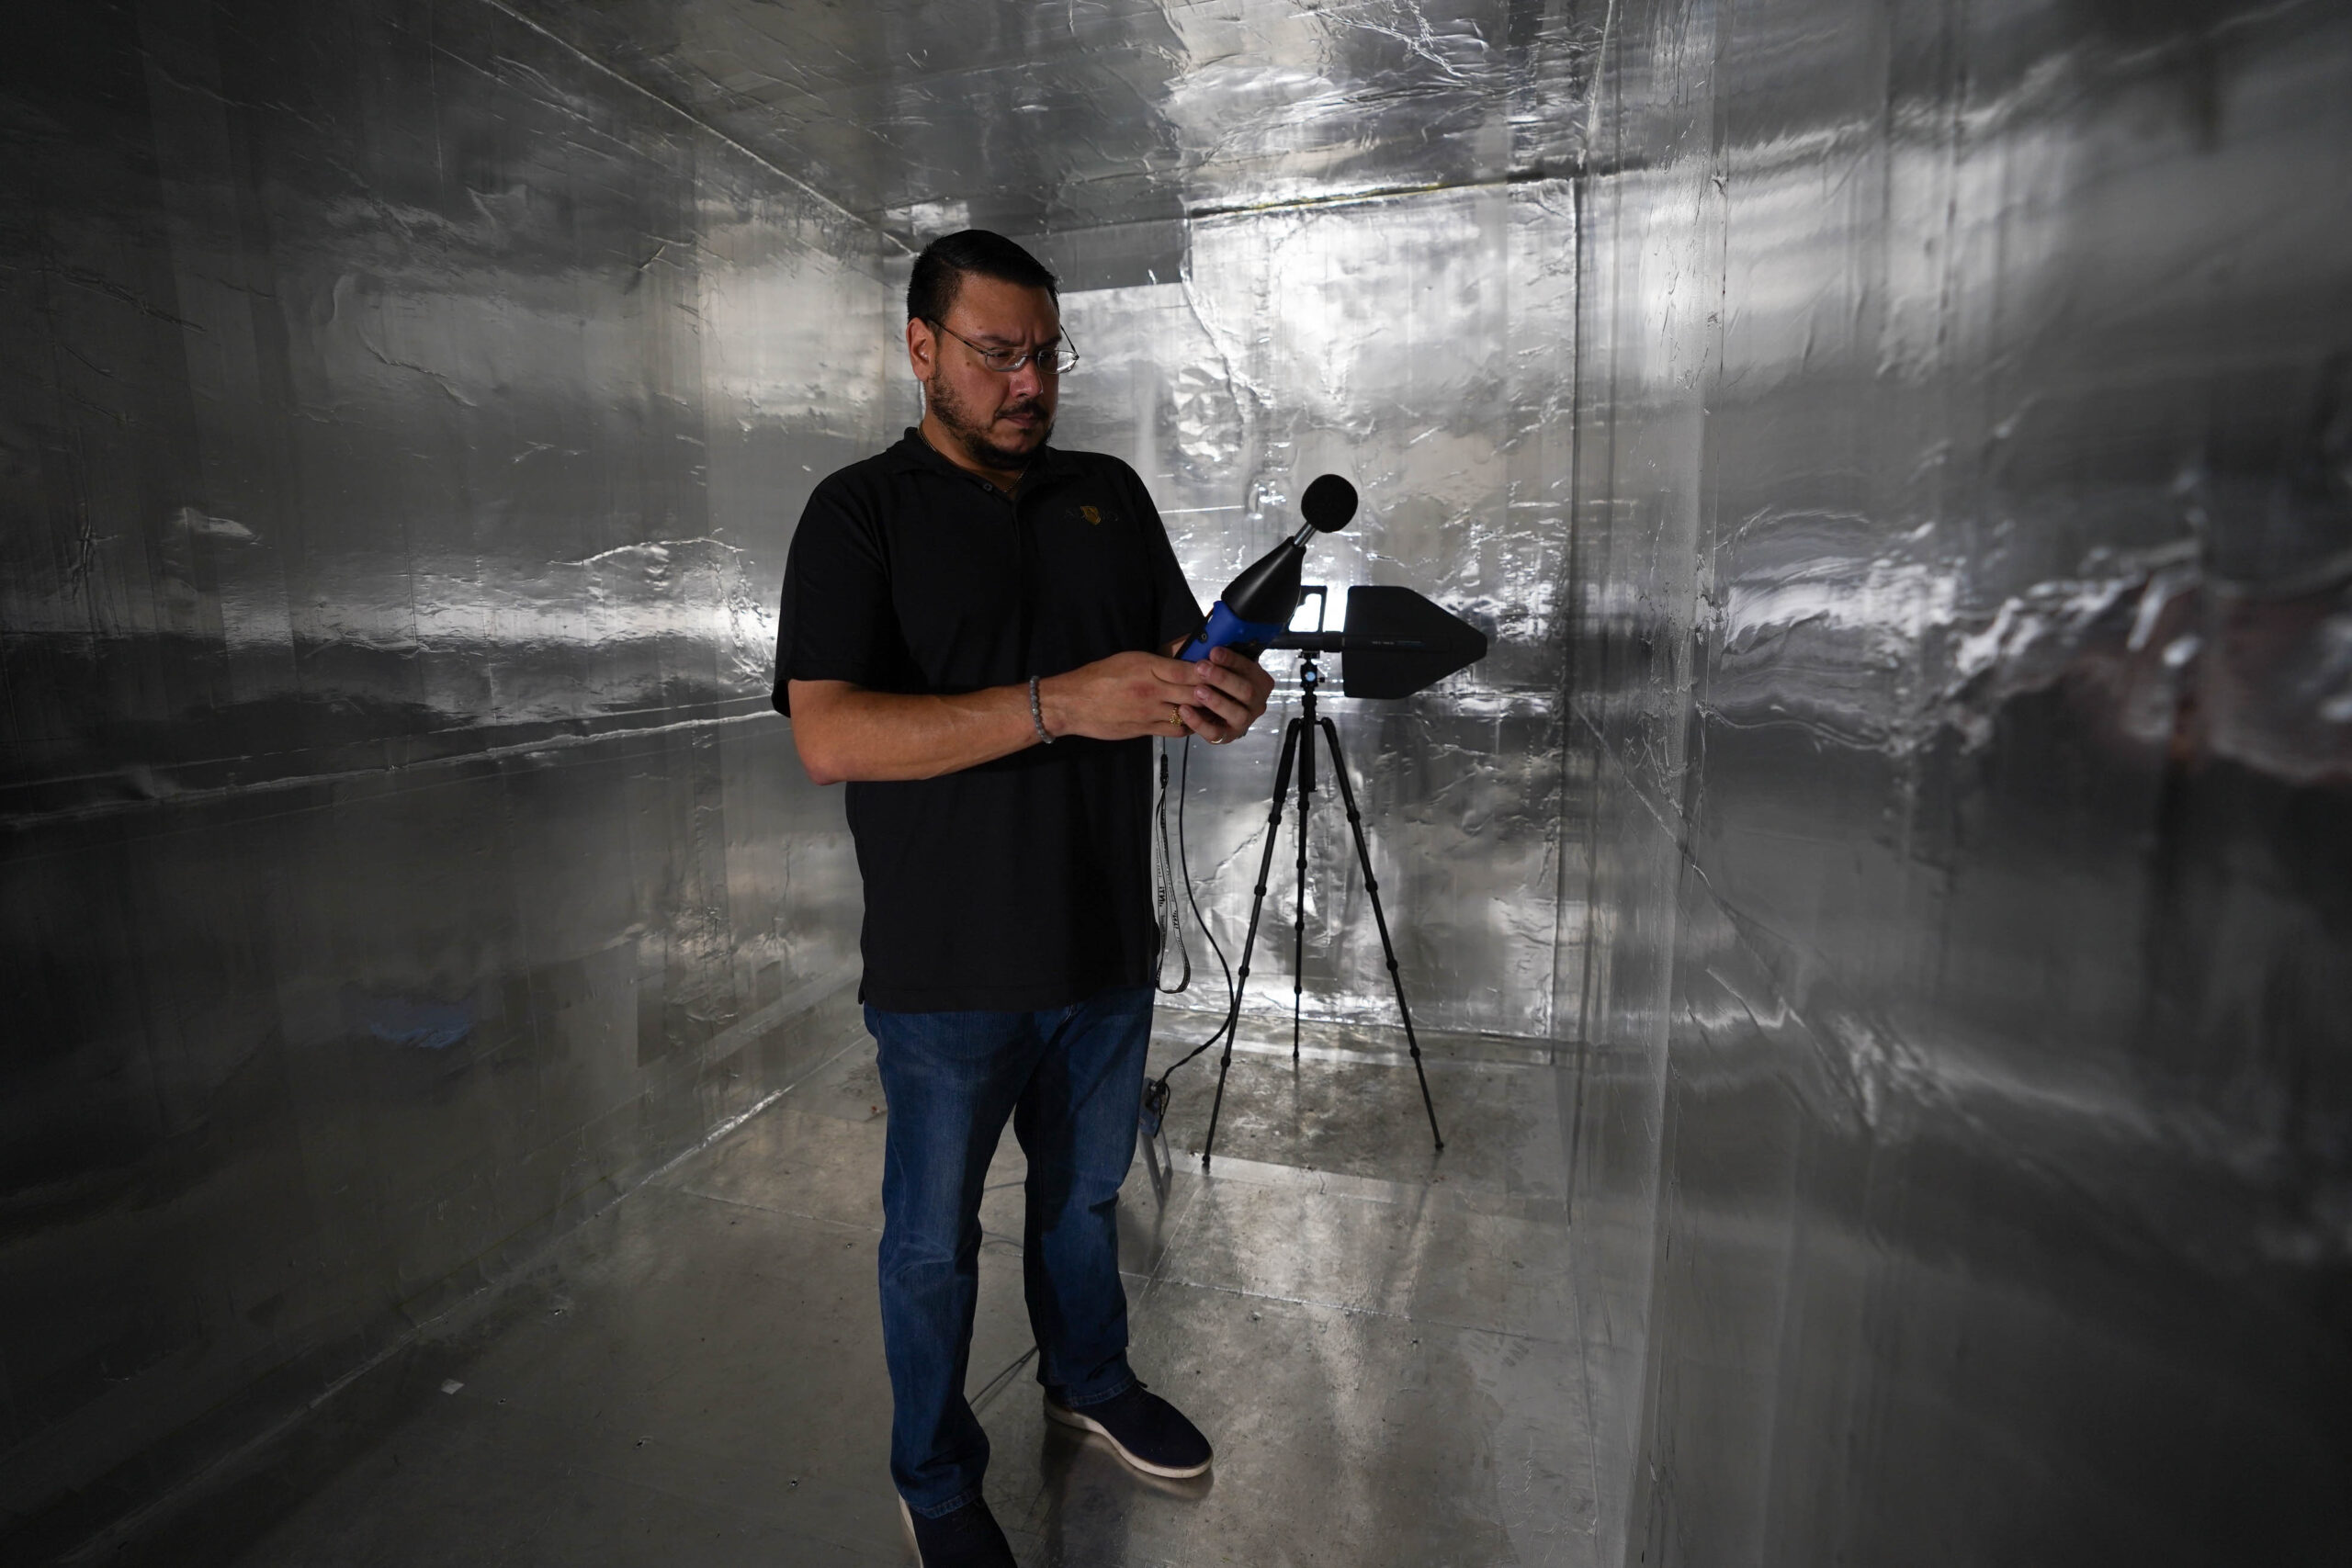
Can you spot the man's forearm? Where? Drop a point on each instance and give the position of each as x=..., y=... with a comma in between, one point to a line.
x=847, y=733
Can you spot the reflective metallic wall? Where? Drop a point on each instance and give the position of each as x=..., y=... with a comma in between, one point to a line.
x=1292, y=238
x=401, y=421
x=1964, y=517
x=1415, y=343
x=1902, y=453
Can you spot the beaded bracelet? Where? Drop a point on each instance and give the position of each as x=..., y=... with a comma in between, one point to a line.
x=1037, y=714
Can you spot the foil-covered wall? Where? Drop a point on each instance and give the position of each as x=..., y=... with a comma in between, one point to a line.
x=1965, y=503
x=402, y=421
x=1416, y=345
x=1899, y=450
x=1292, y=238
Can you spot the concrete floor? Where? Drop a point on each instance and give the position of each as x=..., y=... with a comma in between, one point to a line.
x=1380, y=1341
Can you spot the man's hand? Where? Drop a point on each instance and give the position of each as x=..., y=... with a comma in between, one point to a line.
x=1120, y=697
x=1229, y=695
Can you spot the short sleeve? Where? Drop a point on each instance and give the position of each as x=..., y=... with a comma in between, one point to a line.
x=1176, y=612
x=836, y=622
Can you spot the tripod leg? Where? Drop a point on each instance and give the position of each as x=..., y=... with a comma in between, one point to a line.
x=1298, y=927
x=1389, y=948
x=1257, y=903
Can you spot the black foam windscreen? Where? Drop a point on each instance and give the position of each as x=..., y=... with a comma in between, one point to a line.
x=1328, y=504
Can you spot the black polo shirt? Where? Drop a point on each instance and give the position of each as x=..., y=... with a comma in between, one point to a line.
x=1024, y=883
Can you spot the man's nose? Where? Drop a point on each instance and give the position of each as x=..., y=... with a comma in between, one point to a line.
x=1025, y=382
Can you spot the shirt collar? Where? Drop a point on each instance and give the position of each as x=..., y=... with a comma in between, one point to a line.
x=913, y=452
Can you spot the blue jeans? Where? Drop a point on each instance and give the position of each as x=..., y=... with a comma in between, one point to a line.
x=1071, y=1081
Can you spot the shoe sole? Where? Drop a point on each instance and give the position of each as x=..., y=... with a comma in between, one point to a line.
x=1087, y=1423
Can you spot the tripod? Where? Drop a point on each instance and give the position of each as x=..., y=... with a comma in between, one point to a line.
x=1299, y=748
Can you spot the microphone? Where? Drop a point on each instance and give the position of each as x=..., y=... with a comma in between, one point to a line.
x=1255, y=606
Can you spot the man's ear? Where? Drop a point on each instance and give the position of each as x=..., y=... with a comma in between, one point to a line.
x=923, y=348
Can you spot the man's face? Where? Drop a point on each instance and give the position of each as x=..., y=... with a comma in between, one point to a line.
x=999, y=417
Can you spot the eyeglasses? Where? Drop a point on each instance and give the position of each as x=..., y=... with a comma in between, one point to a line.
x=1052, y=359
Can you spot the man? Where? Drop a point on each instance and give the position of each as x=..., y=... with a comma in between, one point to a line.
x=975, y=638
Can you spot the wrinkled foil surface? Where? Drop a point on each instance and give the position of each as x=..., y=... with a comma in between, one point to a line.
x=1902, y=455
x=1961, y=590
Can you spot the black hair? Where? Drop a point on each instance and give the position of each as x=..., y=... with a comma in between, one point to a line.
x=940, y=271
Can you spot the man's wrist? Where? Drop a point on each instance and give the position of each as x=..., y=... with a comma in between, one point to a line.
x=1050, y=719
x=1037, y=716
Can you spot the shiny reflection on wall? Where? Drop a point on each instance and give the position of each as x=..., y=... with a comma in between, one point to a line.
x=401, y=425
x=1107, y=125
x=1962, y=1138
x=1415, y=346
x=1208, y=180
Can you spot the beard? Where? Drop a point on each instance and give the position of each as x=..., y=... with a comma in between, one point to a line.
x=971, y=431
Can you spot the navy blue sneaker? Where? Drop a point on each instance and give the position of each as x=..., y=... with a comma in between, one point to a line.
x=1149, y=1433
x=964, y=1537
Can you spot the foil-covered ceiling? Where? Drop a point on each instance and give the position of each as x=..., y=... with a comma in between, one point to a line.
x=1114, y=118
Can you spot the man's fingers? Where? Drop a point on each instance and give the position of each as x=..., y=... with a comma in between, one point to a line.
x=1223, y=688
x=1207, y=726
x=1249, y=669
x=1231, y=713
x=1236, y=684
x=1219, y=696
x=1224, y=669
x=1257, y=684
x=1232, y=682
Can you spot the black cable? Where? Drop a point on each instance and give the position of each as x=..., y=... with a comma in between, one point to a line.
x=1183, y=862
x=1163, y=893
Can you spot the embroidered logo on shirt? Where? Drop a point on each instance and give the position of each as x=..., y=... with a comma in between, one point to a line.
x=1090, y=514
